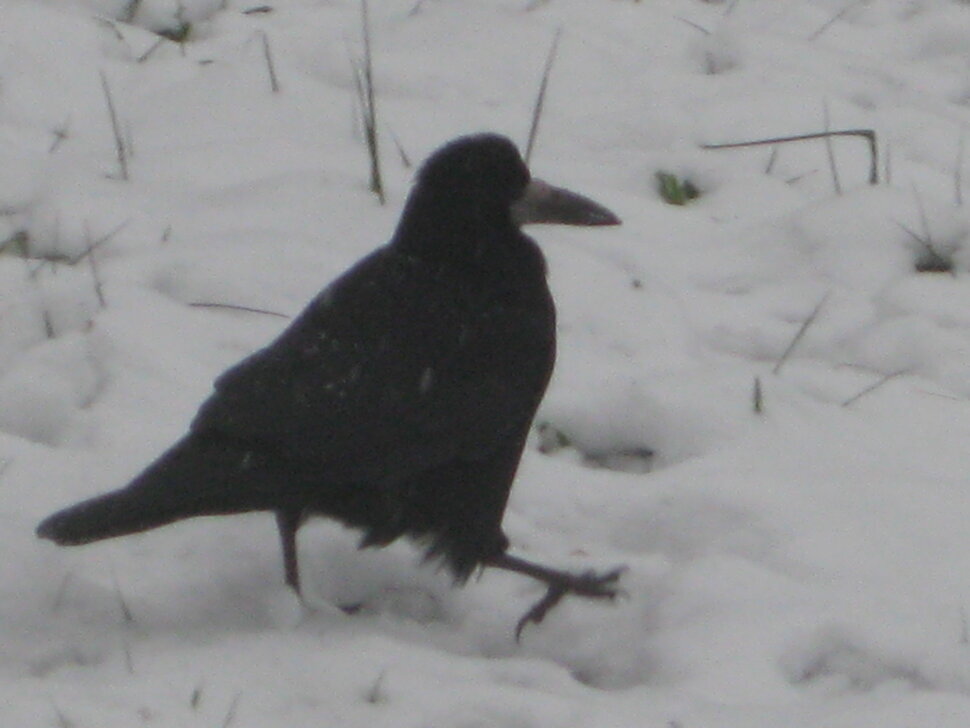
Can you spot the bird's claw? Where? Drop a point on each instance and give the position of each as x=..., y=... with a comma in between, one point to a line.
x=589, y=584
x=596, y=586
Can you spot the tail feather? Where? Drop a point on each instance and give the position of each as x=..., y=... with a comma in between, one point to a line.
x=196, y=477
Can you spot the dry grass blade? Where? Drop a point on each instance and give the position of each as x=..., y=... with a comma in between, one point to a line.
x=129, y=660
x=236, y=307
x=60, y=136
x=96, y=279
x=944, y=262
x=375, y=694
x=873, y=387
x=150, y=50
x=61, y=592
x=62, y=720
x=120, y=148
x=772, y=158
x=693, y=25
x=18, y=244
x=274, y=83
x=45, y=314
x=128, y=14
x=195, y=700
x=541, y=96
x=89, y=254
x=122, y=602
x=867, y=134
x=49, y=331
x=835, y=18
x=97, y=243
x=810, y=319
x=365, y=89
x=958, y=169
x=924, y=221
x=402, y=153
x=231, y=712
x=887, y=165
x=935, y=261
x=830, y=152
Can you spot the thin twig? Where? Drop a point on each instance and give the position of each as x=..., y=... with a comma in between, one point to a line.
x=757, y=397
x=800, y=333
x=541, y=96
x=120, y=149
x=867, y=134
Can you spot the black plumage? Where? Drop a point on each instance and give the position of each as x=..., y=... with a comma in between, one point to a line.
x=399, y=401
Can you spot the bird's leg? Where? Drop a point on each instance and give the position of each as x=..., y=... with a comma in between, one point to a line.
x=560, y=583
x=288, y=522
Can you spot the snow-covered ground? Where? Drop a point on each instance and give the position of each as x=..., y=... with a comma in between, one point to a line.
x=806, y=565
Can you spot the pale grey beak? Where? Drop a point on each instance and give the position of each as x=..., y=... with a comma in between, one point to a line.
x=544, y=203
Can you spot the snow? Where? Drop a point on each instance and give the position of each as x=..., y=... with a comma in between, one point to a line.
x=806, y=565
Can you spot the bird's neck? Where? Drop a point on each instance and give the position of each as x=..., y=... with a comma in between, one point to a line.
x=458, y=231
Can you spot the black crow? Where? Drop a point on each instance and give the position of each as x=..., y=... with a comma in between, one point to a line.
x=398, y=402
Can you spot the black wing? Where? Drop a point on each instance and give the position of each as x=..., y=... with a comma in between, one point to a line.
x=391, y=370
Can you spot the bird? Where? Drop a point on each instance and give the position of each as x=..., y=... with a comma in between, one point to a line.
x=399, y=401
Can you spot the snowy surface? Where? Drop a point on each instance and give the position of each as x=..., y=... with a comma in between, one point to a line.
x=808, y=565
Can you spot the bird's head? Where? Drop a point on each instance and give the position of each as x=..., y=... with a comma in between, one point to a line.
x=482, y=169
x=483, y=175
